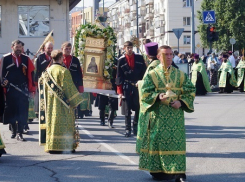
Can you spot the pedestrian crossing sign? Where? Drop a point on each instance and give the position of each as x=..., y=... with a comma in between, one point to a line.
x=209, y=17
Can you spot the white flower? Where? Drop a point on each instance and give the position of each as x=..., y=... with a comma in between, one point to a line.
x=107, y=67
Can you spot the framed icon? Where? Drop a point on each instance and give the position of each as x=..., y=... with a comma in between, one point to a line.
x=93, y=64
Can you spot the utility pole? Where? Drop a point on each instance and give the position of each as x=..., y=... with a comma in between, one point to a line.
x=103, y=7
x=137, y=23
x=83, y=14
x=192, y=27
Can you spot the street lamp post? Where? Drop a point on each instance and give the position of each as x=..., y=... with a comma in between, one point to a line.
x=83, y=14
x=137, y=23
x=192, y=27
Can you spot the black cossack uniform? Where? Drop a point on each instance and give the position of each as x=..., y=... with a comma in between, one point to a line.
x=128, y=78
x=17, y=104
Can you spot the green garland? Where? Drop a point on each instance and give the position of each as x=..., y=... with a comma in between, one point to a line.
x=89, y=30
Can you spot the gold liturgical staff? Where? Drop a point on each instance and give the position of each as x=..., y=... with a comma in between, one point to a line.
x=169, y=93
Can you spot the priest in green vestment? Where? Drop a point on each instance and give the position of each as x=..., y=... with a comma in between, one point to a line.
x=240, y=74
x=226, y=76
x=166, y=93
x=59, y=98
x=2, y=146
x=199, y=76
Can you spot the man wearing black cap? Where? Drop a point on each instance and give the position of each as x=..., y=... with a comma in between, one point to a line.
x=130, y=69
x=226, y=76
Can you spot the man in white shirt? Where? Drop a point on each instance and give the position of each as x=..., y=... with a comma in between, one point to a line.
x=176, y=57
x=232, y=60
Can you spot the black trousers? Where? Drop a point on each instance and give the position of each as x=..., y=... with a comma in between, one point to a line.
x=16, y=109
x=102, y=101
x=131, y=103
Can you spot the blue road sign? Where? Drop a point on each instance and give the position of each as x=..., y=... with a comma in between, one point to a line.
x=178, y=32
x=209, y=17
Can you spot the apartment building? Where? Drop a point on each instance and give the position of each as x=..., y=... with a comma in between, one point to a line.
x=156, y=19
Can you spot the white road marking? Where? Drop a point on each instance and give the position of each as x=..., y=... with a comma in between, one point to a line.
x=109, y=147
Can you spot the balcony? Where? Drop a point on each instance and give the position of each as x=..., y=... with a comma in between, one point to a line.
x=141, y=20
x=149, y=33
x=149, y=2
x=126, y=10
x=160, y=31
x=131, y=2
x=133, y=8
x=133, y=23
x=141, y=3
x=133, y=15
x=128, y=24
x=149, y=15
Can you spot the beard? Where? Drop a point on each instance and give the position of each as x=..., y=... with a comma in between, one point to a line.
x=17, y=52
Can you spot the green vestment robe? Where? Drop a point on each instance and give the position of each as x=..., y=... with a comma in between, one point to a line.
x=2, y=146
x=223, y=70
x=161, y=135
x=86, y=103
x=31, y=112
x=240, y=73
x=200, y=67
x=143, y=115
x=58, y=99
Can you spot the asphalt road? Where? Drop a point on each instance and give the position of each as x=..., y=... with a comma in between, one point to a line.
x=215, y=149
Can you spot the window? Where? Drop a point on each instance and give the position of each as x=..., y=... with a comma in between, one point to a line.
x=187, y=39
x=187, y=3
x=33, y=21
x=186, y=21
x=0, y=21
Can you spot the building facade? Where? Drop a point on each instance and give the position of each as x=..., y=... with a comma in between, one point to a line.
x=76, y=20
x=30, y=21
x=156, y=19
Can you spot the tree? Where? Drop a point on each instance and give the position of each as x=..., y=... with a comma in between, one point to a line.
x=230, y=23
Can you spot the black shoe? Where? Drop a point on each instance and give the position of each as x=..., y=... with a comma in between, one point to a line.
x=102, y=123
x=110, y=125
x=156, y=179
x=128, y=133
x=181, y=180
x=55, y=152
x=20, y=138
x=13, y=135
x=25, y=131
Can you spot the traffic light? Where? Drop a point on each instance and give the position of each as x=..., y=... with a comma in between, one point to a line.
x=212, y=35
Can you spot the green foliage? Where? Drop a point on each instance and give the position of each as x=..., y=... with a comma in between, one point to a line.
x=230, y=23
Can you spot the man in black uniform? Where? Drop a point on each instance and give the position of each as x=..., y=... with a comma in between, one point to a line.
x=16, y=74
x=42, y=63
x=102, y=101
x=73, y=65
x=130, y=69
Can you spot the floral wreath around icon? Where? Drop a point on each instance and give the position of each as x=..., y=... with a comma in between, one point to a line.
x=89, y=30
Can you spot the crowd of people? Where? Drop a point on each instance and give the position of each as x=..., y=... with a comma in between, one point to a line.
x=151, y=85
x=225, y=72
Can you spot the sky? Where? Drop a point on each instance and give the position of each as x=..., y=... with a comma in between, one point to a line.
x=88, y=3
